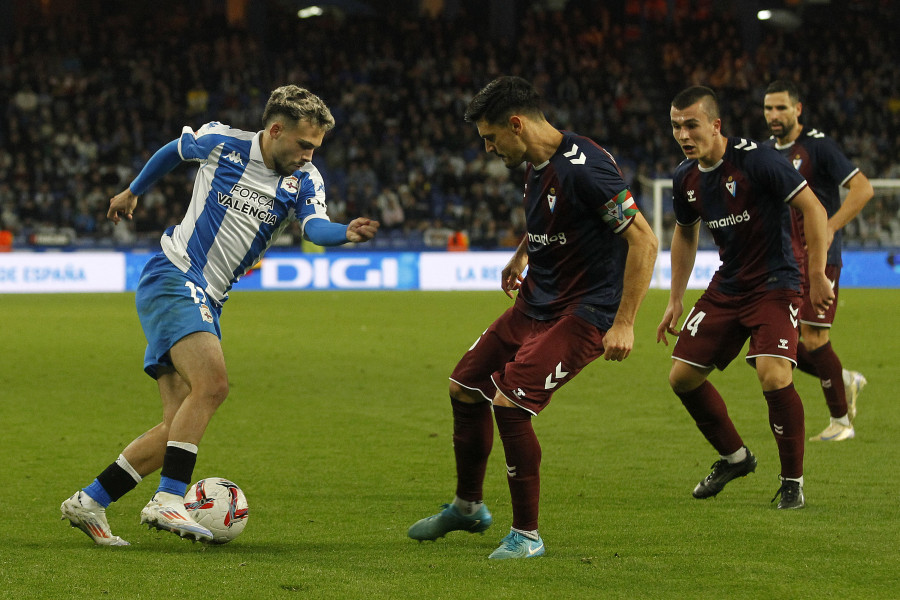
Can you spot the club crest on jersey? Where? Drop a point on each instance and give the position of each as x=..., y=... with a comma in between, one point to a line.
x=731, y=186
x=290, y=185
x=797, y=162
x=205, y=313
x=551, y=199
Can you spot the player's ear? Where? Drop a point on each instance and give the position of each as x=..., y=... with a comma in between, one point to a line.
x=515, y=124
x=275, y=128
x=799, y=108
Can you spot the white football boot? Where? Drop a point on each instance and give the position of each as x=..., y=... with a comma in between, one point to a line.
x=166, y=512
x=86, y=514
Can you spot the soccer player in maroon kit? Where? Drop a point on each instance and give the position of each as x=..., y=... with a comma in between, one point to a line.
x=826, y=169
x=742, y=191
x=589, y=255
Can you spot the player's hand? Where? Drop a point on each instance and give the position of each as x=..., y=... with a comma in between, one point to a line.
x=669, y=323
x=511, y=276
x=821, y=292
x=618, y=342
x=362, y=230
x=124, y=202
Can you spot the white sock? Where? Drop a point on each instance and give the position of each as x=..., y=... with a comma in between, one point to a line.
x=467, y=507
x=737, y=457
x=845, y=420
x=533, y=535
x=797, y=479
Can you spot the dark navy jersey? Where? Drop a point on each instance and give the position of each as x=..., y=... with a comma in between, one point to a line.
x=744, y=202
x=576, y=204
x=818, y=158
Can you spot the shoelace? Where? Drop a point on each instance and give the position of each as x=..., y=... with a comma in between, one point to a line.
x=716, y=467
x=787, y=492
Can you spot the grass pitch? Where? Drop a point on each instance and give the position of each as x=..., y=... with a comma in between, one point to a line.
x=338, y=429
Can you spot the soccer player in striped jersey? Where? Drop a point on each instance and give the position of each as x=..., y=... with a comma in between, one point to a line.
x=742, y=192
x=248, y=188
x=819, y=159
x=589, y=255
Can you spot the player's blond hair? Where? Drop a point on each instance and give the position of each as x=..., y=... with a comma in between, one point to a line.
x=296, y=104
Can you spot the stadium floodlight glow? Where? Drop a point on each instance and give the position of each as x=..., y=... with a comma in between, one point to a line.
x=764, y=15
x=310, y=11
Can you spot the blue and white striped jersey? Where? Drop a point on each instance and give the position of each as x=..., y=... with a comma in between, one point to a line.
x=238, y=207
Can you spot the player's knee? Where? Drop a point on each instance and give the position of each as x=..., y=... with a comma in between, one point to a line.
x=213, y=390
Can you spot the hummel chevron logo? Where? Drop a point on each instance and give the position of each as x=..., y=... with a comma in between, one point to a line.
x=235, y=157
x=815, y=133
x=511, y=470
x=746, y=145
x=778, y=429
x=580, y=160
x=794, y=312
x=549, y=384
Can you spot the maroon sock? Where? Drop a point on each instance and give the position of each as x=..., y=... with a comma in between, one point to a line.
x=831, y=375
x=473, y=438
x=805, y=362
x=786, y=421
x=708, y=409
x=523, y=464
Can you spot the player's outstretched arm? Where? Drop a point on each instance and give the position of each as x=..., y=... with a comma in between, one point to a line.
x=642, y=250
x=683, y=252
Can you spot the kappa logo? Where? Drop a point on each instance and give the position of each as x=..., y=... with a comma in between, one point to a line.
x=691, y=197
x=234, y=157
x=793, y=310
x=575, y=160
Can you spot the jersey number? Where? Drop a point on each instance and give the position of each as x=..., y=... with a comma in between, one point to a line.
x=692, y=323
x=196, y=293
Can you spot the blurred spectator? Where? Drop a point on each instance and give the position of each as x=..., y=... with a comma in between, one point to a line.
x=86, y=97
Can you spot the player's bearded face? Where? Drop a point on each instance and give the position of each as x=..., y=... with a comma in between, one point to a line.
x=781, y=114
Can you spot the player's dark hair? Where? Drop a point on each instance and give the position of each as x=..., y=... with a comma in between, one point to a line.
x=502, y=98
x=297, y=103
x=694, y=94
x=783, y=85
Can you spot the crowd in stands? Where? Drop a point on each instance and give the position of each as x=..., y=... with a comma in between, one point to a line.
x=87, y=99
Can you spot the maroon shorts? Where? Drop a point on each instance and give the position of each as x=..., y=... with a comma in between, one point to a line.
x=715, y=330
x=808, y=314
x=527, y=359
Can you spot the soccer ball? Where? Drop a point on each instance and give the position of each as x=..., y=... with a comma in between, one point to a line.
x=220, y=506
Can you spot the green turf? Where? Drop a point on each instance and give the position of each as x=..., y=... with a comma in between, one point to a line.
x=338, y=429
